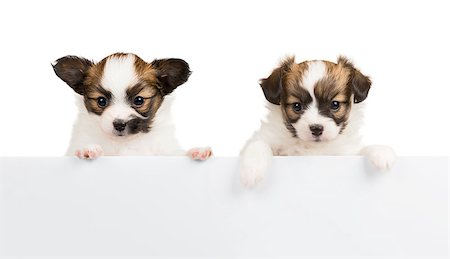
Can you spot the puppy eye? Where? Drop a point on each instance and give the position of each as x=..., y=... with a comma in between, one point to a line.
x=138, y=101
x=335, y=105
x=102, y=102
x=297, y=107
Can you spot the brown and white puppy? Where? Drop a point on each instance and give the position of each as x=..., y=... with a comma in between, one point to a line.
x=314, y=109
x=124, y=105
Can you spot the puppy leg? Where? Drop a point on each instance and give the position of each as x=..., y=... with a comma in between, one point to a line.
x=382, y=157
x=200, y=153
x=255, y=161
x=89, y=152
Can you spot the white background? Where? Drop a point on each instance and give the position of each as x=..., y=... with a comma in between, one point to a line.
x=229, y=46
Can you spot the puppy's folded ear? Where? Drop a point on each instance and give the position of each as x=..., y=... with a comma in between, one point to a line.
x=361, y=86
x=171, y=73
x=359, y=83
x=273, y=85
x=72, y=70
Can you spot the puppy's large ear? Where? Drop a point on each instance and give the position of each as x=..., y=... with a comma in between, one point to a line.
x=72, y=70
x=359, y=83
x=171, y=73
x=273, y=85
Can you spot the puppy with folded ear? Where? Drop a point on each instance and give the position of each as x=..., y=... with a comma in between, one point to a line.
x=124, y=105
x=315, y=108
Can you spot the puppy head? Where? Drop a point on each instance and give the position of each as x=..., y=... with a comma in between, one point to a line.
x=316, y=97
x=122, y=92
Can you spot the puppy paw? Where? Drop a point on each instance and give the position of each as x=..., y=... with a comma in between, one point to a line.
x=198, y=153
x=90, y=152
x=255, y=161
x=382, y=157
x=251, y=175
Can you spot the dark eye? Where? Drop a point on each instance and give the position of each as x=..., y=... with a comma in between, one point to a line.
x=138, y=100
x=335, y=105
x=297, y=107
x=102, y=102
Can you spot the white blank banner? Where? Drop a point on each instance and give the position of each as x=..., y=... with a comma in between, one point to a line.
x=173, y=207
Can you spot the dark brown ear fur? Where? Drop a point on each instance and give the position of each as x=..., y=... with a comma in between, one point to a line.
x=72, y=70
x=359, y=83
x=273, y=85
x=171, y=73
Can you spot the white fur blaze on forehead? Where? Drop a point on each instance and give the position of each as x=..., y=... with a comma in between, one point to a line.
x=119, y=74
x=316, y=71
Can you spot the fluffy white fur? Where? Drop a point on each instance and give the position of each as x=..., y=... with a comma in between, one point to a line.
x=274, y=139
x=119, y=72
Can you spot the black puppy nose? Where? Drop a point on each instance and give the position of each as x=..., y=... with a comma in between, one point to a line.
x=316, y=129
x=119, y=125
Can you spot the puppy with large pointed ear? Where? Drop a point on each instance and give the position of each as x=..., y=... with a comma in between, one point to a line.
x=313, y=110
x=170, y=73
x=73, y=70
x=124, y=96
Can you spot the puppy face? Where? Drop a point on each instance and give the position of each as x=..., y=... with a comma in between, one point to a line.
x=316, y=97
x=122, y=92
